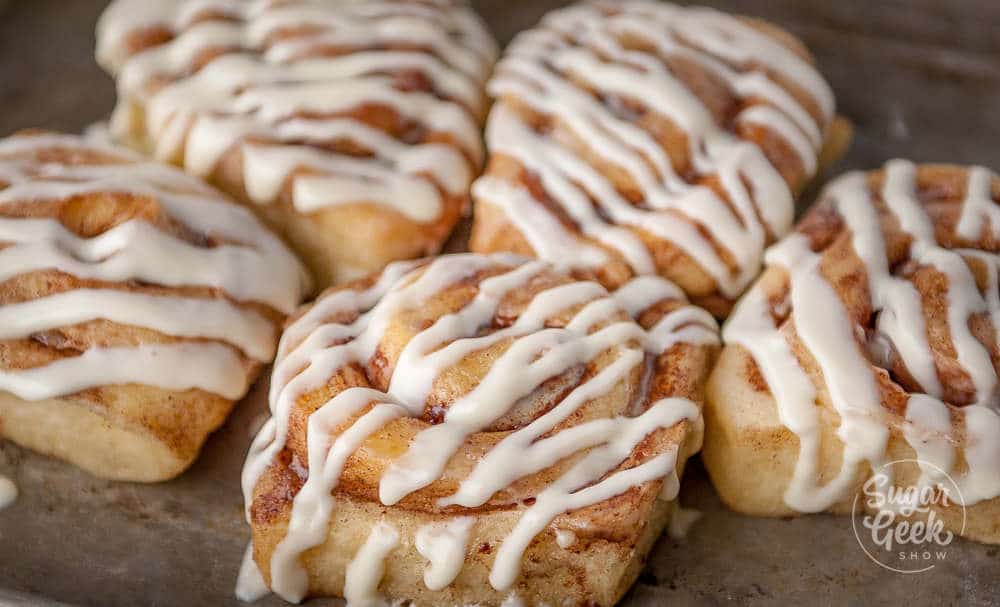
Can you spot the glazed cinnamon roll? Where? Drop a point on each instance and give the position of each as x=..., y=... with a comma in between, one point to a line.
x=352, y=127
x=871, y=338
x=474, y=428
x=137, y=305
x=639, y=137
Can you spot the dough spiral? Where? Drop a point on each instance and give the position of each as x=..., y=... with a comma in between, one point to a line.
x=872, y=337
x=136, y=303
x=471, y=406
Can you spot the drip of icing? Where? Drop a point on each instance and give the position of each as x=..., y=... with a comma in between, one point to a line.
x=565, y=538
x=671, y=486
x=365, y=571
x=681, y=522
x=250, y=584
x=443, y=545
x=136, y=250
x=752, y=327
x=512, y=600
x=307, y=360
x=821, y=323
x=312, y=506
x=580, y=486
x=8, y=492
x=583, y=43
x=978, y=206
x=259, y=85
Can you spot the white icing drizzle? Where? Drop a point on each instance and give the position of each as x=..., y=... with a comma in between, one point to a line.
x=136, y=250
x=681, y=522
x=562, y=68
x=565, y=538
x=250, y=584
x=211, y=367
x=274, y=82
x=512, y=600
x=183, y=317
x=365, y=571
x=978, y=206
x=315, y=348
x=8, y=492
x=579, y=487
x=822, y=324
x=443, y=545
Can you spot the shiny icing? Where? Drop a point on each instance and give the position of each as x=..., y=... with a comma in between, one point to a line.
x=273, y=88
x=8, y=492
x=823, y=326
x=577, y=62
x=214, y=329
x=307, y=360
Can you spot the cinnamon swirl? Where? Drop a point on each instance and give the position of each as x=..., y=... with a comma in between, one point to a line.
x=639, y=137
x=352, y=127
x=872, y=337
x=472, y=428
x=136, y=306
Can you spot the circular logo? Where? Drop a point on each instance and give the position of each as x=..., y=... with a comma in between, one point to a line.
x=900, y=527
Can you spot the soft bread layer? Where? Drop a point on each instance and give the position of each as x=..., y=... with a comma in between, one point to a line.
x=597, y=569
x=893, y=274
x=495, y=230
x=599, y=135
x=353, y=129
x=343, y=242
x=137, y=305
x=751, y=455
x=490, y=389
x=122, y=433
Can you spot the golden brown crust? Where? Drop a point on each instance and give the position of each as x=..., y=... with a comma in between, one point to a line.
x=424, y=100
x=749, y=451
x=613, y=535
x=594, y=570
x=122, y=431
x=502, y=226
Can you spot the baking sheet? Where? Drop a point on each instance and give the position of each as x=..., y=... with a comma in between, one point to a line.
x=920, y=79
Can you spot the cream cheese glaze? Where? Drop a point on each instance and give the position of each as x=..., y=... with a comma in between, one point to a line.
x=136, y=250
x=582, y=56
x=314, y=348
x=8, y=492
x=256, y=75
x=823, y=325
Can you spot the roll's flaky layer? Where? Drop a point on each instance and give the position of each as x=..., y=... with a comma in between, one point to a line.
x=465, y=429
x=352, y=127
x=640, y=137
x=136, y=305
x=871, y=338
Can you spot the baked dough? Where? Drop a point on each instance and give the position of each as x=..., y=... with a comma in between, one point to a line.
x=474, y=428
x=137, y=305
x=352, y=127
x=872, y=337
x=640, y=137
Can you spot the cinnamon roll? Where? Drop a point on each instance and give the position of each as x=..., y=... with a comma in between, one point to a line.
x=137, y=305
x=472, y=428
x=352, y=127
x=871, y=338
x=639, y=137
